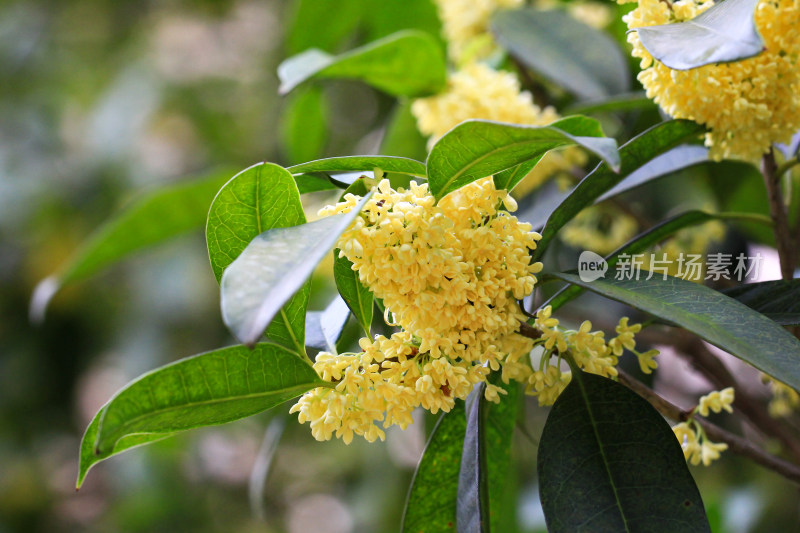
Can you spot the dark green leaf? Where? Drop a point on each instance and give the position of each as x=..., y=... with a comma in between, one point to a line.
x=472, y=512
x=148, y=220
x=640, y=243
x=725, y=32
x=312, y=183
x=207, y=389
x=358, y=297
x=272, y=268
x=257, y=199
x=486, y=459
x=431, y=503
x=406, y=63
x=711, y=315
x=478, y=148
x=568, y=52
x=324, y=328
x=609, y=462
x=304, y=129
x=362, y=163
x=634, y=154
x=779, y=300
x=402, y=138
x=384, y=18
x=88, y=457
x=662, y=165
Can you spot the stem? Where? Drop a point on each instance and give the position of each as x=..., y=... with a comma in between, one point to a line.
x=736, y=444
x=786, y=166
x=777, y=210
x=720, y=377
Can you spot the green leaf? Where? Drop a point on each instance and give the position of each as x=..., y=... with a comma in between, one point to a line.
x=150, y=219
x=406, y=63
x=207, y=389
x=568, y=52
x=478, y=148
x=779, y=300
x=634, y=154
x=725, y=32
x=322, y=23
x=609, y=462
x=272, y=268
x=362, y=163
x=621, y=102
x=88, y=457
x=257, y=199
x=431, y=502
x=313, y=183
x=304, y=130
x=486, y=458
x=358, y=297
x=510, y=177
x=384, y=18
x=710, y=315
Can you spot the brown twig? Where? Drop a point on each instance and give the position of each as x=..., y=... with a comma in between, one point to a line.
x=719, y=375
x=735, y=443
x=709, y=365
x=777, y=210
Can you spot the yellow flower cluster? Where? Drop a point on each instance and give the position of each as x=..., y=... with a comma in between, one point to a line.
x=748, y=104
x=383, y=383
x=696, y=446
x=588, y=349
x=479, y=92
x=450, y=276
x=785, y=400
x=599, y=228
x=465, y=23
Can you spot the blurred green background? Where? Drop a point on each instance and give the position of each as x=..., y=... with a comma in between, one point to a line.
x=101, y=99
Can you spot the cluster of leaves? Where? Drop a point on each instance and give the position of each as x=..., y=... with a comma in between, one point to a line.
x=607, y=460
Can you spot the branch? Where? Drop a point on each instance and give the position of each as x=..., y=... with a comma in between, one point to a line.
x=720, y=377
x=783, y=238
x=735, y=443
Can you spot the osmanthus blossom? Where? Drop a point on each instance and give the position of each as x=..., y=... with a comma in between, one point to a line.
x=477, y=91
x=748, y=105
x=694, y=442
x=450, y=276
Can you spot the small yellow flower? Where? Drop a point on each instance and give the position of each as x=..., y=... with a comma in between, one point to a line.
x=646, y=362
x=716, y=401
x=785, y=400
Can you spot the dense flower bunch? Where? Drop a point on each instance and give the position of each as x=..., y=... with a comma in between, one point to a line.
x=479, y=92
x=696, y=446
x=450, y=276
x=749, y=104
x=465, y=23
x=588, y=349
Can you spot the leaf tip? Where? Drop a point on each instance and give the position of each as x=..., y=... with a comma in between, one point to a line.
x=42, y=294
